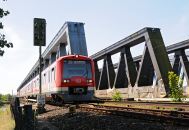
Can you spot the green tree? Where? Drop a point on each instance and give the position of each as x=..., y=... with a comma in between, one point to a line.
x=5, y=97
x=175, y=83
x=0, y=96
x=3, y=41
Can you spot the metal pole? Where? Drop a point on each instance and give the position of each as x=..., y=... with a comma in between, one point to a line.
x=40, y=69
x=40, y=98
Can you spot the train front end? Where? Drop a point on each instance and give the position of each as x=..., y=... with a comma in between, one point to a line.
x=75, y=78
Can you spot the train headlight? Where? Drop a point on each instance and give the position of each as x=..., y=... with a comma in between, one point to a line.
x=66, y=81
x=89, y=81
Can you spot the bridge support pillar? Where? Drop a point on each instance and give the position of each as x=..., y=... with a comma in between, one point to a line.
x=46, y=63
x=52, y=57
x=76, y=39
x=62, y=49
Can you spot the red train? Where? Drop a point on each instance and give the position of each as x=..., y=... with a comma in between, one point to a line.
x=69, y=78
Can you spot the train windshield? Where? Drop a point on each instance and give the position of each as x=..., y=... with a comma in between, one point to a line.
x=77, y=68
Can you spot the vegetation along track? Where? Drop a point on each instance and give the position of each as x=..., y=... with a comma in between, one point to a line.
x=164, y=116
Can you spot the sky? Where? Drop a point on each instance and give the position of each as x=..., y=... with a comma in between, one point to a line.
x=106, y=22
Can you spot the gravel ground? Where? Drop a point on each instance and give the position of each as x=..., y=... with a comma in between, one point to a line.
x=57, y=118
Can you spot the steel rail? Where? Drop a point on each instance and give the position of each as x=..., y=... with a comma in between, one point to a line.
x=150, y=103
x=173, y=117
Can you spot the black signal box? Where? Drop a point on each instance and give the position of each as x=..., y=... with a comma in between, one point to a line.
x=39, y=33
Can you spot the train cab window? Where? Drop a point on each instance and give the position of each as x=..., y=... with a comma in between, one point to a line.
x=77, y=68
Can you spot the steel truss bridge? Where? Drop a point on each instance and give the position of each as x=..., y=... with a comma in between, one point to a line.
x=134, y=76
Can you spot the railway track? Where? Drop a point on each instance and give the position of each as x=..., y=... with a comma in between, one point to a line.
x=163, y=116
x=149, y=105
x=158, y=105
x=176, y=117
x=148, y=102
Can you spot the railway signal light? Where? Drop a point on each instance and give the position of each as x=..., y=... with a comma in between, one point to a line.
x=39, y=32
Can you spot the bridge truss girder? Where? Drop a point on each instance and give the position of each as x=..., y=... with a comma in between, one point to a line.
x=130, y=73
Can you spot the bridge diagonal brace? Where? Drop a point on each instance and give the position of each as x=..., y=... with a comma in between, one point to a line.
x=146, y=70
x=110, y=71
x=176, y=62
x=137, y=64
x=97, y=74
x=159, y=57
x=121, y=80
x=130, y=66
x=103, y=80
x=185, y=64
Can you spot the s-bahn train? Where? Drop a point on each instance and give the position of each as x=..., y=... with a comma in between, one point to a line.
x=69, y=78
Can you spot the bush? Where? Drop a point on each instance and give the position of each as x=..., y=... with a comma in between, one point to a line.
x=175, y=84
x=116, y=96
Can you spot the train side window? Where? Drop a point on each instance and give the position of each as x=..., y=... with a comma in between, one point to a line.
x=52, y=74
x=44, y=79
x=35, y=84
x=49, y=75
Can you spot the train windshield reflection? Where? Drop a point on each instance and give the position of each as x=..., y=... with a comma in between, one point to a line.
x=73, y=68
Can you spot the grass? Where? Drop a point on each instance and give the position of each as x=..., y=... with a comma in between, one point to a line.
x=6, y=121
